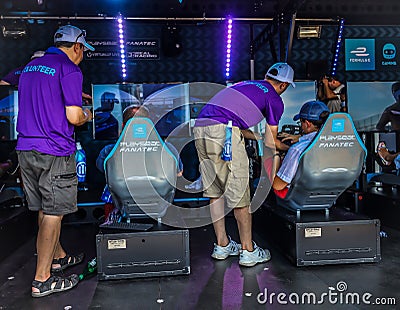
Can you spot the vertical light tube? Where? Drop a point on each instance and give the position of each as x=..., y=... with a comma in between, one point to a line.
x=338, y=45
x=121, y=41
x=229, y=28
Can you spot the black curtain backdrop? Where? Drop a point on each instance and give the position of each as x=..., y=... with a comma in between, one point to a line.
x=202, y=53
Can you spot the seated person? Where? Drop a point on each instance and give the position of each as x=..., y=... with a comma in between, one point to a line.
x=313, y=115
x=391, y=113
x=387, y=157
x=133, y=110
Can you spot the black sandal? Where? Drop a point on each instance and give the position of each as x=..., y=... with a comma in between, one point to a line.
x=67, y=261
x=54, y=284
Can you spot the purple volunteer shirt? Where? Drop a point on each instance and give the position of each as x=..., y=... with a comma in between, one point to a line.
x=47, y=85
x=12, y=77
x=245, y=104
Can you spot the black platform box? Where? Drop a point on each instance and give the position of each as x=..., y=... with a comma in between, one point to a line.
x=317, y=239
x=142, y=254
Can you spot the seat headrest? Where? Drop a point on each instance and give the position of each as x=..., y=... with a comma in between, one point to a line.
x=139, y=136
x=338, y=132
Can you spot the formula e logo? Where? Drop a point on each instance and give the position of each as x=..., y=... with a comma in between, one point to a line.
x=360, y=51
x=360, y=54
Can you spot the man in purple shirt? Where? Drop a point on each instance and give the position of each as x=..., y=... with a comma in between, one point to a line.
x=12, y=78
x=245, y=104
x=50, y=105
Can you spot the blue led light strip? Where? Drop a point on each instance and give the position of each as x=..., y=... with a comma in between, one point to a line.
x=121, y=40
x=338, y=45
x=229, y=26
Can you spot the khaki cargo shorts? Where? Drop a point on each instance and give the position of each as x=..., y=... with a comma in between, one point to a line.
x=223, y=178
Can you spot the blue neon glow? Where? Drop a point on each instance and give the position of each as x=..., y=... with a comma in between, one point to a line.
x=229, y=26
x=121, y=26
x=338, y=45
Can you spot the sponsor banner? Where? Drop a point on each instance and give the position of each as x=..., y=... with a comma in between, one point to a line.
x=136, y=49
x=130, y=55
x=372, y=54
x=360, y=54
x=387, y=54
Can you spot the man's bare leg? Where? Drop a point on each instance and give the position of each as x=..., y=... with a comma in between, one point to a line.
x=243, y=219
x=218, y=218
x=47, y=239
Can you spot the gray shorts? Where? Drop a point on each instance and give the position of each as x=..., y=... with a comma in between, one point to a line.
x=50, y=182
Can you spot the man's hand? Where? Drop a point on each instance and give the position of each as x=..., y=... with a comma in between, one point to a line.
x=284, y=136
x=86, y=98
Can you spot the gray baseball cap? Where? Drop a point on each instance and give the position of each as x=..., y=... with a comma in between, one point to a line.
x=282, y=72
x=69, y=33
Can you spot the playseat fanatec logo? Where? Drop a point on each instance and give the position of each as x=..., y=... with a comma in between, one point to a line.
x=331, y=141
x=142, y=146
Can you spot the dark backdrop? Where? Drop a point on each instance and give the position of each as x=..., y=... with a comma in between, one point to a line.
x=202, y=55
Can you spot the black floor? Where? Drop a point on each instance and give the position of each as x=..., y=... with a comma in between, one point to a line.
x=211, y=284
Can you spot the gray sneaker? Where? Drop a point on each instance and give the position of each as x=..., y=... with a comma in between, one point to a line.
x=222, y=252
x=258, y=255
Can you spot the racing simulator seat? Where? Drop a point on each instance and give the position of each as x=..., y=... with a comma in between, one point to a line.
x=327, y=167
x=141, y=171
x=141, y=174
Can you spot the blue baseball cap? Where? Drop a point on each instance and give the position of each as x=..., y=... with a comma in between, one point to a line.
x=69, y=33
x=311, y=111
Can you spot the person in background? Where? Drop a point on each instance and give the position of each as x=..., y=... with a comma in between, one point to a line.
x=333, y=93
x=392, y=113
x=388, y=157
x=312, y=116
x=245, y=104
x=49, y=105
x=12, y=78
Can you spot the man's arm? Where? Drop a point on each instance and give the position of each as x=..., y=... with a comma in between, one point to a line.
x=279, y=145
x=2, y=82
x=279, y=184
x=77, y=116
x=248, y=134
x=384, y=119
x=329, y=94
x=320, y=92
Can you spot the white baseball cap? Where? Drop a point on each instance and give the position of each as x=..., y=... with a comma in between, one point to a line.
x=69, y=33
x=281, y=72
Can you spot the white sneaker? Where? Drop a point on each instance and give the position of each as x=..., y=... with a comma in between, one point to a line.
x=222, y=252
x=258, y=255
x=196, y=185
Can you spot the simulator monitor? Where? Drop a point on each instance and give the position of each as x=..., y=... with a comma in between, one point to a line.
x=109, y=101
x=168, y=106
x=367, y=101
